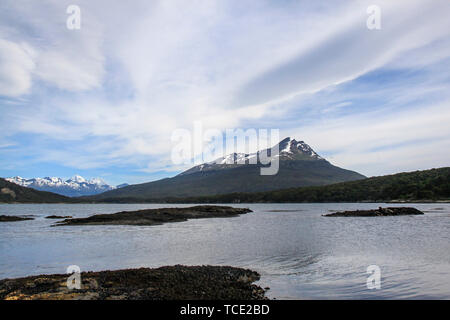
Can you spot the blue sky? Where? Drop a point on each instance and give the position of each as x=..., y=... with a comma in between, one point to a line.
x=103, y=101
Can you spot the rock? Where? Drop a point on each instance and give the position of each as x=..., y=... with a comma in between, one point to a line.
x=58, y=217
x=149, y=217
x=167, y=283
x=4, y=218
x=380, y=212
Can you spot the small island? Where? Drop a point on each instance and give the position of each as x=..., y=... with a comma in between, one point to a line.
x=150, y=217
x=164, y=283
x=5, y=218
x=380, y=212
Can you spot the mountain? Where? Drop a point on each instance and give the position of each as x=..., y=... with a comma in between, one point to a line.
x=74, y=187
x=299, y=166
x=426, y=185
x=11, y=192
x=288, y=149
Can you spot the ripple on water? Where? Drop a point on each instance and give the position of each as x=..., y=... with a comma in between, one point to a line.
x=299, y=253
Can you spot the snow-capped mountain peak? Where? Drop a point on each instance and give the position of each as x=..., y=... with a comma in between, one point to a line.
x=292, y=146
x=77, y=178
x=288, y=149
x=73, y=187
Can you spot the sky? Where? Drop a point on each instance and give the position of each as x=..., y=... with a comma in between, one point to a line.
x=104, y=100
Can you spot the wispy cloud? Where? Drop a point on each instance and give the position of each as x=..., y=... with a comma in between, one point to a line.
x=110, y=94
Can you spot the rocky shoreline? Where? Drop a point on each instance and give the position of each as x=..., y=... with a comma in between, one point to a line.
x=150, y=217
x=165, y=283
x=380, y=212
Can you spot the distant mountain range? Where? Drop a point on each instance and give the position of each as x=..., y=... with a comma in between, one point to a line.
x=12, y=192
x=299, y=166
x=304, y=176
x=426, y=185
x=76, y=186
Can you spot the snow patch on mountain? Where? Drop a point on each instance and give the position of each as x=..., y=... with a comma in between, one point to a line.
x=292, y=146
x=74, y=187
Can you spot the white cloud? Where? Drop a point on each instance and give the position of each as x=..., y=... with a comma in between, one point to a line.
x=16, y=65
x=69, y=73
x=349, y=50
x=37, y=46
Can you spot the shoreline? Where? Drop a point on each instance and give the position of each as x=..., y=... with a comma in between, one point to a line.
x=238, y=203
x=176, y=282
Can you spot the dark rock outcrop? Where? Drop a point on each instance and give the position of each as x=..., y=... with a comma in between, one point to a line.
x=167, y=283
x=4, y=218
x=58, y=217
x=380, y=212
x=149, y=217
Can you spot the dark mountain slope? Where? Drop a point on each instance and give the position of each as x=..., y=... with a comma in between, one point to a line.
x=426, y=185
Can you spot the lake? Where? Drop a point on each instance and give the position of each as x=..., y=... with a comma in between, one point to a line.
x=299, y=253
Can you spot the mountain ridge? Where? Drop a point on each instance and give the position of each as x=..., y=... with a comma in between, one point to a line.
x=415, y=186
x=75, y=186
x=432, y=185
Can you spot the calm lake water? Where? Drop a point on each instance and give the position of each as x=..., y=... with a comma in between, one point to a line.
x=299, y=253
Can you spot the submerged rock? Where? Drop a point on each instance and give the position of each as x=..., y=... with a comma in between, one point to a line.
x=380, y=212
x=4, y=218
x=149, y=217
x=58, y=217
x=167, y=283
